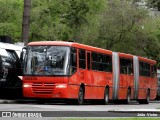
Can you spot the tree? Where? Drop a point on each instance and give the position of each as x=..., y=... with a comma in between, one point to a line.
x=117, y=23
x=76, y=16
x=154, y=4
x=26, y=23
x=45, y=21
x=127, y=28
x=10, y=18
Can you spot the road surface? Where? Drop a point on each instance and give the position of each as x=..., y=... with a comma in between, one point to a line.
x=26, y=108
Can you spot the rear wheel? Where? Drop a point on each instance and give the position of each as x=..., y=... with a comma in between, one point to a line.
x=147, y=98
x=105, y=101
x=80, y=99
x=128, y=97
x=145, y=101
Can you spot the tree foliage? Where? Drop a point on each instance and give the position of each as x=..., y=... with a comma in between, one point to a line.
x=118, y=25
x=11, y=18
x=118, y=22
x=154, y=4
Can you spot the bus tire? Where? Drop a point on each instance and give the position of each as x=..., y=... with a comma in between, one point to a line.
x=80, y=99
x=145, y=101
x=128, y=97
x=106, y=96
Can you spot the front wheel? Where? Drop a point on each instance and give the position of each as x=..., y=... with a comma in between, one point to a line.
x=80, y=99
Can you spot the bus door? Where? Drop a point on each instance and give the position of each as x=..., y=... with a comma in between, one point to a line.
x=84, y=71
x=88, y=85
x=82, y=68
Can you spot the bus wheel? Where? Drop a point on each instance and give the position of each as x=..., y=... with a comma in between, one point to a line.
x=106, y=96
x=128, y=97
x=145, y=101
x=80, y=100
x=147, y=98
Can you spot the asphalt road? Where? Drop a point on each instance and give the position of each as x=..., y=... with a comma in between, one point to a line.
x=29, y=108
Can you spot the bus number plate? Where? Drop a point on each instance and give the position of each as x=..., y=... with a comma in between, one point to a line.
x=30, y=78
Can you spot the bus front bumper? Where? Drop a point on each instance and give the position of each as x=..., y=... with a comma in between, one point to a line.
x=56, y=91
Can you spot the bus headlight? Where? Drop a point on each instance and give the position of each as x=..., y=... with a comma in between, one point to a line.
x=61, y=86
x=26, y=85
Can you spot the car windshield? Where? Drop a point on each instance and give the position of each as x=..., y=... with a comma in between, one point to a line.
x=46, y=60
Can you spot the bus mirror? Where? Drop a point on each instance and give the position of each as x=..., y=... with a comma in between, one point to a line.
x=21, y=56
x=23, y=53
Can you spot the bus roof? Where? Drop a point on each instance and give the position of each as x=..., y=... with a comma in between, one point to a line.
x=146, y=60
x=74, y=44
x=87, y=47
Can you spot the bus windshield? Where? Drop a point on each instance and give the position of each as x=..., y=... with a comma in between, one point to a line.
x=46, y=60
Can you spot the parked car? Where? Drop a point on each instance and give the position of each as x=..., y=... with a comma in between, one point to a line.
x=10, y=69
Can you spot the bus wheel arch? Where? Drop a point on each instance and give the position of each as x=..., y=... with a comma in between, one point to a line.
x=106, y=96
x=128, y=96
x=147, y=96
x=145, y=101
x=81, y=94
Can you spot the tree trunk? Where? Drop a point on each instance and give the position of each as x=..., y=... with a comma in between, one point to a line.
x=25, y=23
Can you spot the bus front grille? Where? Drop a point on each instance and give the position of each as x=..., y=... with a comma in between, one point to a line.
x=43, y=88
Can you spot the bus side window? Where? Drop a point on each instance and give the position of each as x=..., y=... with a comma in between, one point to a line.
x=88, y=60
x=100, y=62
x=130, y=67
x=153, y=71
x=123, y=68
x=73, y=61
x=82, y=59
x=126, y=66
x=94, y=61
x=144, y=69
x=107, y=63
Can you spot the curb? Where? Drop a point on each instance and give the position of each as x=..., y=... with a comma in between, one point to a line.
x=136, y=111
x=6, y=101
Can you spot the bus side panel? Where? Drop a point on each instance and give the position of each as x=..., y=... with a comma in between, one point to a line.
x=94, y=78
x=110, y=92
x=130, y=84
x=73, y=91
x=153, y=91
x=98, y=82
x=102, y=81
x=142, y=88
x=122, y=86
x=126, y=81
x=81, y=77
x=74, y=83
x=153, y=94
x=88, y=86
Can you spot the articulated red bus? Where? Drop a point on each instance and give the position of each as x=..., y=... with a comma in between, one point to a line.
x=73, y=71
